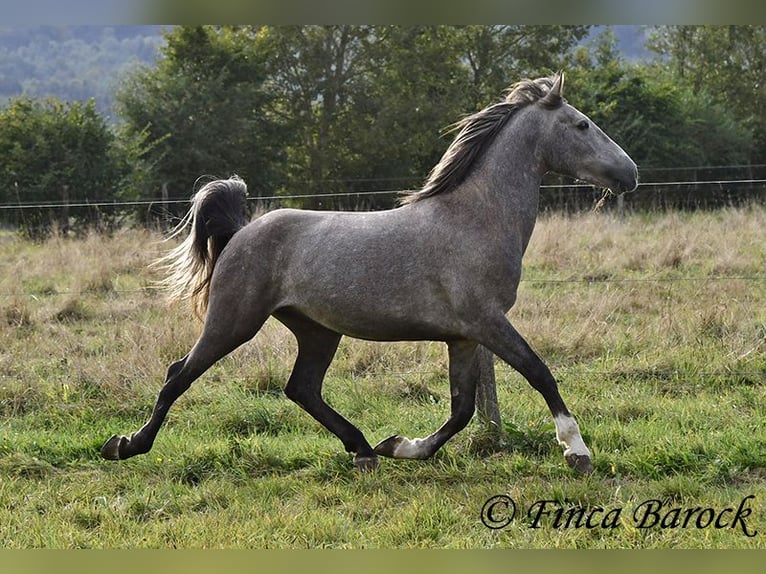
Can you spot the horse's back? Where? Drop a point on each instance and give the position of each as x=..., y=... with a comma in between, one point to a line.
x=304, y=236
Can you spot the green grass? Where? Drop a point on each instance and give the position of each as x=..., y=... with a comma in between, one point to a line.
x=665, y=374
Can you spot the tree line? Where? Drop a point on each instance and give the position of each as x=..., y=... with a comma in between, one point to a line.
x=323, y=111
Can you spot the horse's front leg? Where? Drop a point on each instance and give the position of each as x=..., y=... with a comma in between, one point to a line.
x=503, y=340
x=463, y=374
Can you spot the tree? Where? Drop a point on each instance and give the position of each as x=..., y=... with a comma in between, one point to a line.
x=424, y=78
x=726, y=65
x=365, y=105
x=497, y=56
x=317, y=110
x=316, y=72
x=207, y=110
x=60, y=153
x=416, y=86
x=661, y=122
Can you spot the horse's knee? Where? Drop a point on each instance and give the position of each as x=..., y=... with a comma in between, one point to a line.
x=301, y=394
x=292, y=393
x=175, y=368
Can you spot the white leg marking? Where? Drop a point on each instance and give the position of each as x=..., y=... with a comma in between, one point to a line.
x=568, y=435
x=412, y=448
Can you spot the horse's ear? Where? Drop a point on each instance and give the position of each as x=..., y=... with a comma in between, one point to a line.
x=558, y=84
x=554, y=96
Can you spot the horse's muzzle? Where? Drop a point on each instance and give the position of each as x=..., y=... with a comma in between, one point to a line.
x=625, y=181
x=627, y=186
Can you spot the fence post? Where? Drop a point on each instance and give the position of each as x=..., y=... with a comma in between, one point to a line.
x=167, y=217
x=64, y=217
x=486, y=390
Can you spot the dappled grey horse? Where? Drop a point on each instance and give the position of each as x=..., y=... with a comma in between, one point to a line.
x=443, y=266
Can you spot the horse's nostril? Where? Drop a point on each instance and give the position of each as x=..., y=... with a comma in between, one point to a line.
x=629, y=183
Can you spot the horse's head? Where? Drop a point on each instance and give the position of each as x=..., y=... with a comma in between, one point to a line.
x=573, y=145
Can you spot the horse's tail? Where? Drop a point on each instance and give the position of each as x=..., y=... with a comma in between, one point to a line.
x=218, y=211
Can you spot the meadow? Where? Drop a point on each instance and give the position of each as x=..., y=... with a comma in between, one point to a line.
x=654, y=325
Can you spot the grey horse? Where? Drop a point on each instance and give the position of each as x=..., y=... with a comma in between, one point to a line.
x=443, y=266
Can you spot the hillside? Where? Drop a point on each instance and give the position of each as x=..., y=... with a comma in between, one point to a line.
x=72, y=62
x=631, y=41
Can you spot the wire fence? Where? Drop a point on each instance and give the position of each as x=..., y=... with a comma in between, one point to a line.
x=663, y=190
x=727, y=185
x=660, y=189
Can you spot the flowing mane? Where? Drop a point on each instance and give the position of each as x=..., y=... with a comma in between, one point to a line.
x=475, y=132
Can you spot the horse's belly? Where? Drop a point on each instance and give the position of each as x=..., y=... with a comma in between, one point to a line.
x=382, y=321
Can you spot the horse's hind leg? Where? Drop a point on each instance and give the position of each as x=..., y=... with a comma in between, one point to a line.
x=212, y=345
x=316, y=349
x=463, y=374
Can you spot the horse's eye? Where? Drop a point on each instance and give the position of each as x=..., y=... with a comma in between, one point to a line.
x=582, y=125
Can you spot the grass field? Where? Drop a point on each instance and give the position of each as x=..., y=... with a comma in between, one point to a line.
x=654, y=325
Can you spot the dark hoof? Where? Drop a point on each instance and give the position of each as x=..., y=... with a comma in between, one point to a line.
x=580, y=462
x=112, y=447
x=366, y=463
x=386, y=447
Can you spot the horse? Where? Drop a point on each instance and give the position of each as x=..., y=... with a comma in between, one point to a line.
x=443, y=265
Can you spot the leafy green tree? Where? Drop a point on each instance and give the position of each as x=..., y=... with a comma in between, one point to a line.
x=64, y=154
x=206, y=109
x=725, y=64
x=497, y=56
x=317, y=110
x=416, y=86
x=317, y=73
x=662, y=122
x=365, y=105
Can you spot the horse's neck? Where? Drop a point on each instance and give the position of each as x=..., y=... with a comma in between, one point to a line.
x=502, y=192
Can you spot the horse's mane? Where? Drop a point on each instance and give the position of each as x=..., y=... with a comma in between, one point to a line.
x=475, y=132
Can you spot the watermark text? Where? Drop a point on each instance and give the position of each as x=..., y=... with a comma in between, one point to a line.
x=499, y=511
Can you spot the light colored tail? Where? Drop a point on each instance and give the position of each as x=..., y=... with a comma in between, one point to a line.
x=218, y=211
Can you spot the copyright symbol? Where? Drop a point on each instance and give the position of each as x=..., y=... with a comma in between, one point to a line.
x=498, y=512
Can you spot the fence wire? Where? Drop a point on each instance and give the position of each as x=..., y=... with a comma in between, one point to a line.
x=750, y=184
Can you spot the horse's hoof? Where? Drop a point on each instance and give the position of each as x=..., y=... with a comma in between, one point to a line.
x=366, y=463
x=388, y=446
x=580, y=462
x=112, y=447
